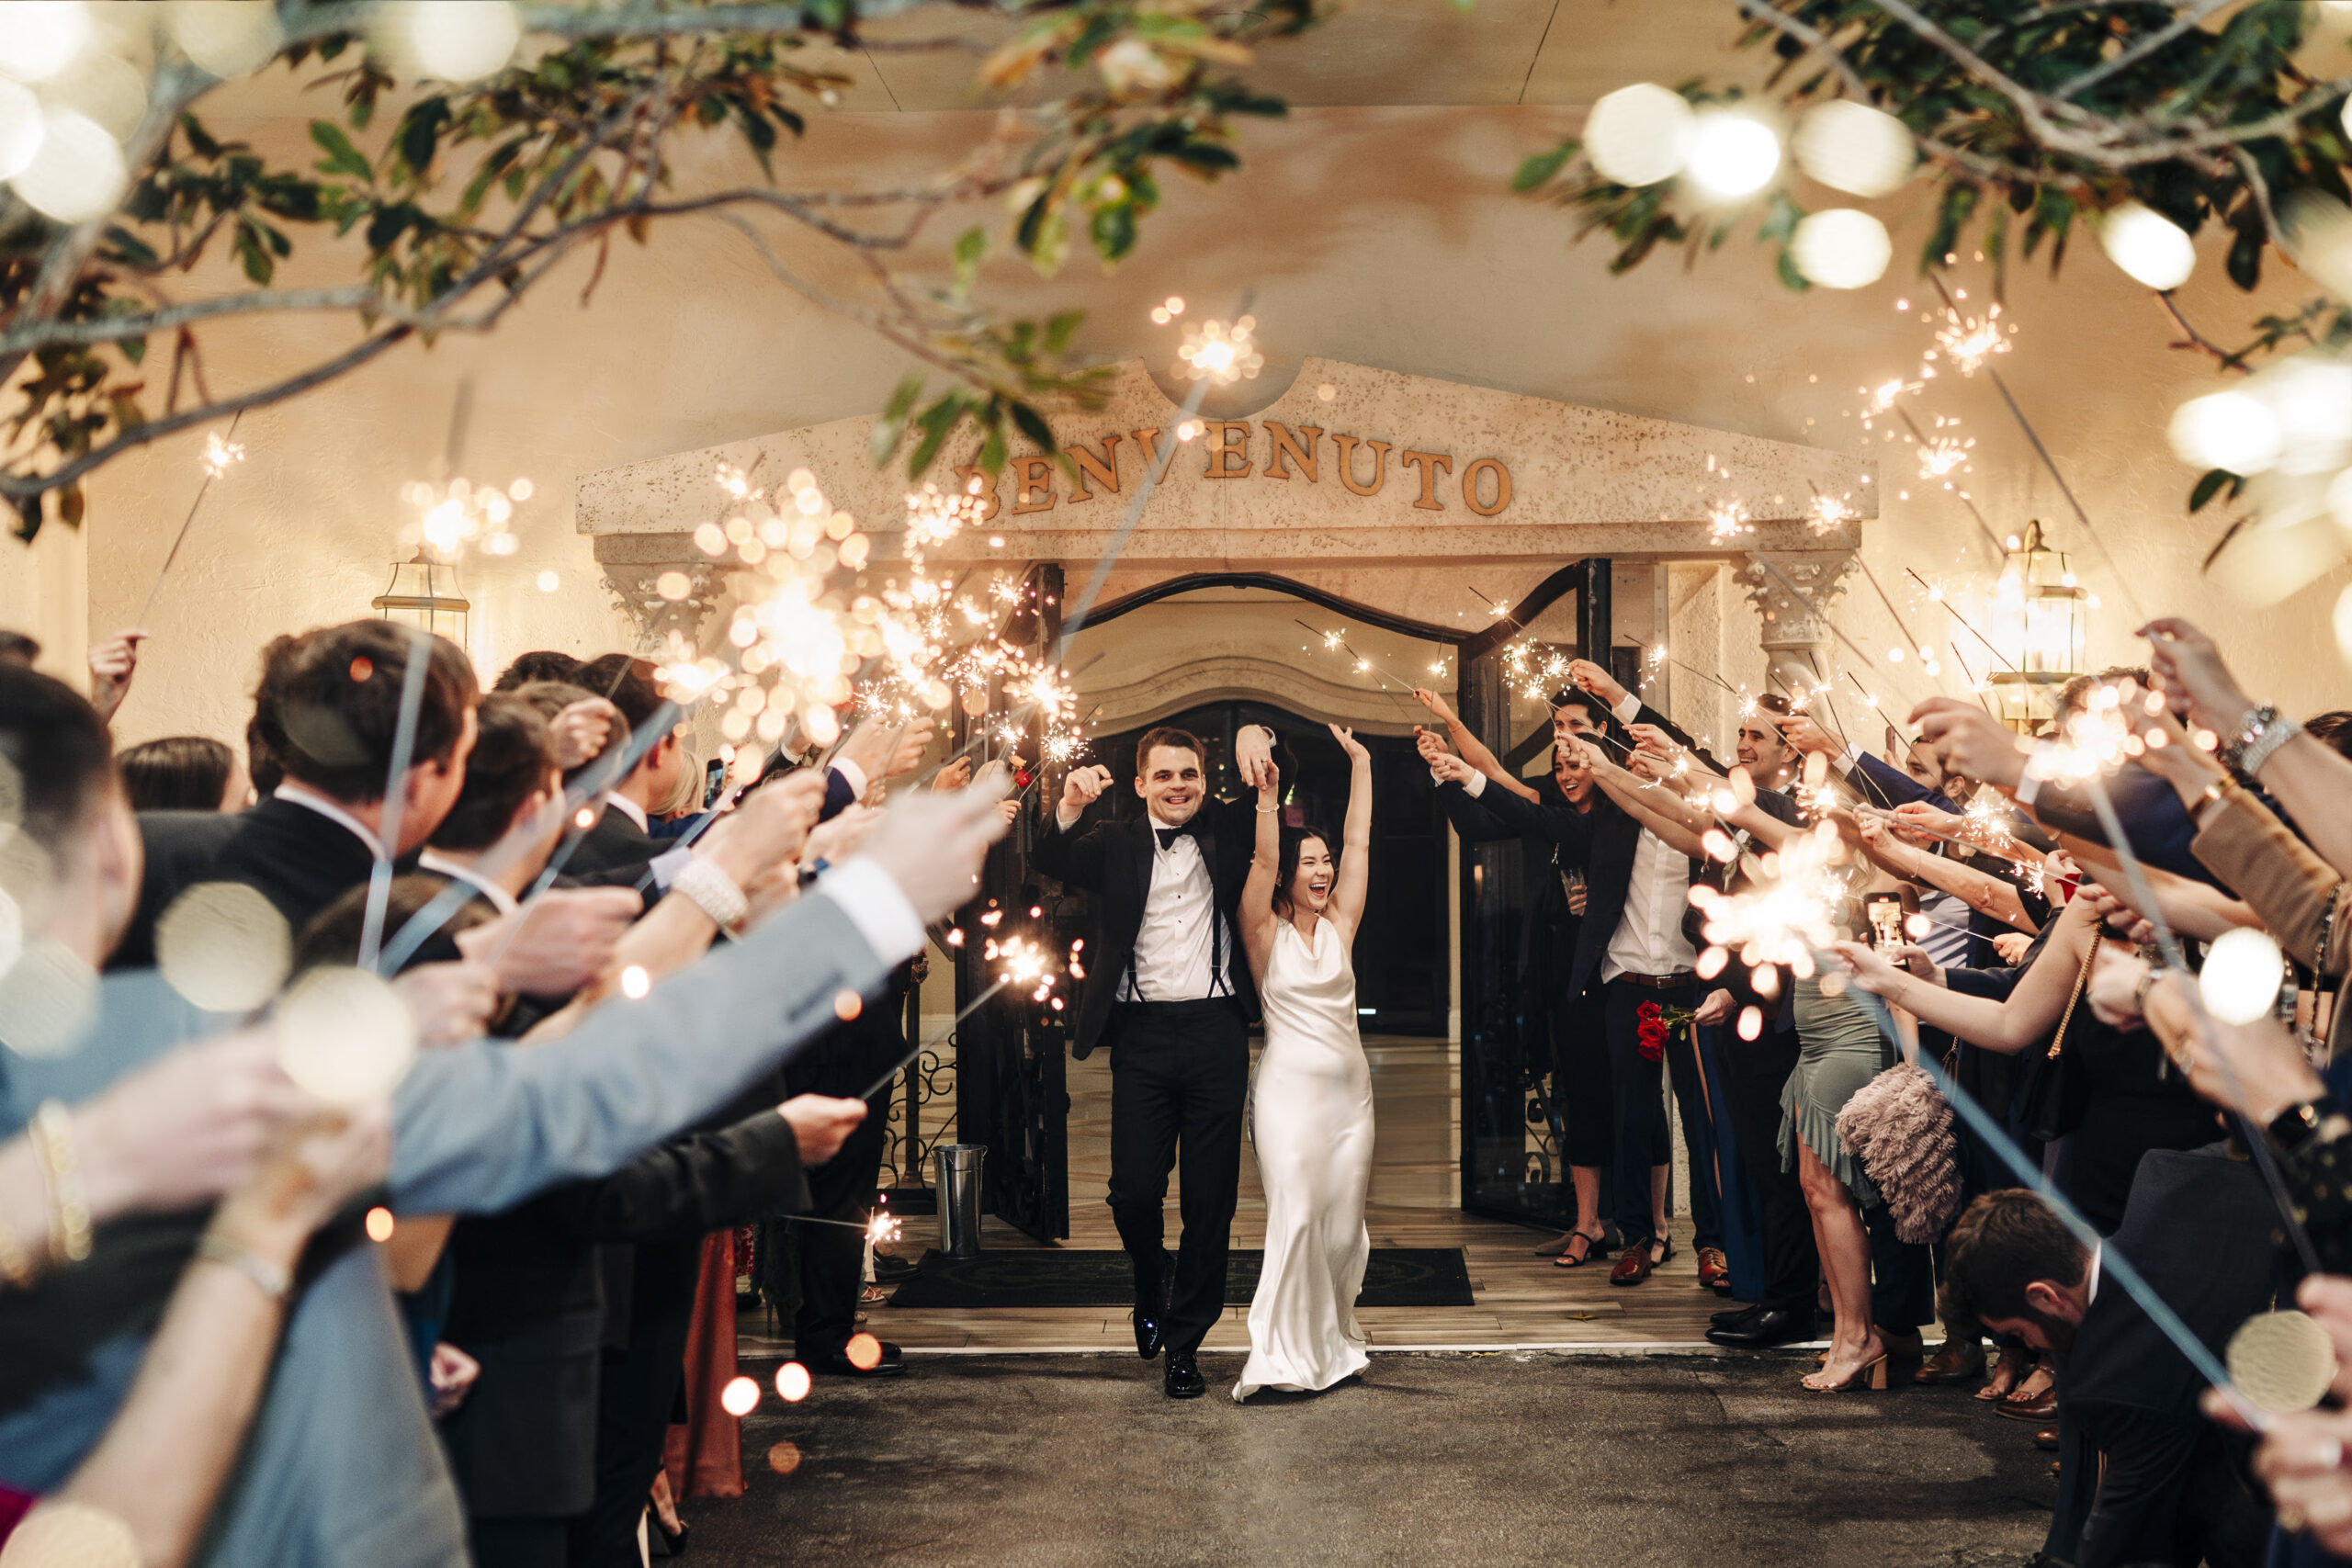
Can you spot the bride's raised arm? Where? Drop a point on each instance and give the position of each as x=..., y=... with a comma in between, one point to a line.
x=1355, y=858
x=1258, y=921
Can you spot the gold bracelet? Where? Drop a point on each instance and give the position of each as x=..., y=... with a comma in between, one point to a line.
x=68, y=1213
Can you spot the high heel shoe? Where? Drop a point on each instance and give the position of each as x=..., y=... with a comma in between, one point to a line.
x=1870, y=1375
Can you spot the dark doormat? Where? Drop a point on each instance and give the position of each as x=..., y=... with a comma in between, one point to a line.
x=1065, y=1277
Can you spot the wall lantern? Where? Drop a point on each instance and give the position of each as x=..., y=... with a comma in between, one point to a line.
x=425, y=592
x=2041, y=624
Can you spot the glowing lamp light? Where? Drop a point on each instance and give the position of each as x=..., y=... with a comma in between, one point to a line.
x=2149, y=246
x=739, y=1397
x=2041, y=622
x=2231, y=429
x=1853, y=147
x=2242, y=974
x=1732, y=153
x=1639, y=135
x=1842, y=248
x=425, y=592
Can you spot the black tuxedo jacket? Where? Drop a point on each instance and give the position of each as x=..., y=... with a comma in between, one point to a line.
x=1601, y=841
x=293, y=856
x=2198, y=1227
x=614, y=846
x=1111, y=860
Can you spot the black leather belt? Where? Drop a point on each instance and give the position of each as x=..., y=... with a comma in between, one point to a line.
x=1663, y=982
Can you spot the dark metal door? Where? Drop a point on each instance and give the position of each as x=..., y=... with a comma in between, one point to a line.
x=1012, y=1054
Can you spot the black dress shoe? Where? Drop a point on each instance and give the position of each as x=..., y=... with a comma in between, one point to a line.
x=1777, y=1326
x=1182, y=1379
x=1147, y=1333
x=837, y=1364
x=1738, y=1317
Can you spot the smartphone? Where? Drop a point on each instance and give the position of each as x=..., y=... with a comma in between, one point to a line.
x=1886, y=913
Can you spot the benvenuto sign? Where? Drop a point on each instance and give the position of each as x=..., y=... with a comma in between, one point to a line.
x=1254, y=451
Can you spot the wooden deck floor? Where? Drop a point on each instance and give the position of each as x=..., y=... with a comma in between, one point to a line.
x=1519, y=1299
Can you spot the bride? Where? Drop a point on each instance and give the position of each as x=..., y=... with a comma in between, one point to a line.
x=1311, y=1107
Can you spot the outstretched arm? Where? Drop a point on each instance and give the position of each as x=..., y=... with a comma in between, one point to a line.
x=2030, y=1013
x=1355, y=859
x=1474, y=750
x=1256, y=910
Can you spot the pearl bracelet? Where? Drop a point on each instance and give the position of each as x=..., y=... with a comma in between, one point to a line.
x=717, y=894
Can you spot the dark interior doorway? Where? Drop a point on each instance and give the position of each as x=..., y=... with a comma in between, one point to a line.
x=1403, y=965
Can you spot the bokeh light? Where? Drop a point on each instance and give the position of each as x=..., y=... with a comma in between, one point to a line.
x=792, y=1382
x=1842, y=248
x=1639, y=135
x=2149, y=246
x=223, y=947
x=2241, y=974
x=2231, y=429
x=345, y=1035
x=739, y=1397
x=1732, y=153
x=1853, y=147
x=77, y=174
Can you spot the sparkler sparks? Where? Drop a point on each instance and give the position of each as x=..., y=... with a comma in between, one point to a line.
x=220, y=454
x=1222, y=353
x=1967, y=342
x=1728, y=520
x=1790, y=912
x=1828, y=513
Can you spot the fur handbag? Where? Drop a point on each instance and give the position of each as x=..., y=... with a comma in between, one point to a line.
x=1899, y=1126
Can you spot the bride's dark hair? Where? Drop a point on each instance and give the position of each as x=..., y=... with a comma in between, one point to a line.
x=1294, y=840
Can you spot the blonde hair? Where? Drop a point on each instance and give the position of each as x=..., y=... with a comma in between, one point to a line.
x=686, y=794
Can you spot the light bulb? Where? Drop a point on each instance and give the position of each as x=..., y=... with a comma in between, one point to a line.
x=2230, y=430
x=1733, y=155
x=1853, y=147
x=1639, y=135
x=2148, y=246
x=1842, y=248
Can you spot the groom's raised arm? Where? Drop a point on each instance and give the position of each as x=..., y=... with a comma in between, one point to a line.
x=1068, y=851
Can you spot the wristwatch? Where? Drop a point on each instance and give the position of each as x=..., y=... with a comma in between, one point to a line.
x=2295, y=1125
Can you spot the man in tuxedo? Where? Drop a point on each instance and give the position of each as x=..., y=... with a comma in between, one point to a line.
x=2198, y=1226
x=327, y=709
x=1170, y=992
x=621, y=837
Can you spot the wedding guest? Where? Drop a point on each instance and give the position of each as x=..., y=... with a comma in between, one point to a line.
x=2197, y=1228
x=621, y=836
x=342, y=1464
x=183, y=772
x=1570, y=1027
x=541, y=664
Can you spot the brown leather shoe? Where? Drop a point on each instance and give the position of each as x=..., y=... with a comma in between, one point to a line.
x=2046, y=1440
x=1714, y=1271
x=1633, y=1264
x=1953, y=1363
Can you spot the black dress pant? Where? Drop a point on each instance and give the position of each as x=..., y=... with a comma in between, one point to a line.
x=1580, y=1083
x=1643, y=1139
x=518, y=1543
x=832, y=1259
x=1754, y=1074
x=1180, y=1073
x=641, y=1388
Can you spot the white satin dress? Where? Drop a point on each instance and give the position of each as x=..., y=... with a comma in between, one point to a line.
x=1311, y=1123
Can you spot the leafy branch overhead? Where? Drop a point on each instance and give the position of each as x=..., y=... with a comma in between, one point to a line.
x=465, y=195
x=2030, y=122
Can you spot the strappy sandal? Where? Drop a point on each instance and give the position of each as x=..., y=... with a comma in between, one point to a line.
x=1591, y=1247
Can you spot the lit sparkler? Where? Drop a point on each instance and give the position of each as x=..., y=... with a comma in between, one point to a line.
x=1728, y=520
x=1217, y=352
x=1967, y=342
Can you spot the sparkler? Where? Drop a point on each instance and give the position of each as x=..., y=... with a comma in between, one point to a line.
x=1337, y=642
x=379, y=876
x=1026, y=964
x=219, y=454
x=1728, y=520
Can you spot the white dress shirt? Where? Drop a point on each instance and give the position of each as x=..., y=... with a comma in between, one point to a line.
x=457, y=871
x=1648, y=939
x=1175, y=958
x=294, y=792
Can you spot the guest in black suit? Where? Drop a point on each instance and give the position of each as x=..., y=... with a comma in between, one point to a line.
x=1169, y=991
x=620, y=837
x=2197, y=1227
x=1571, y=1025
x=327, y=711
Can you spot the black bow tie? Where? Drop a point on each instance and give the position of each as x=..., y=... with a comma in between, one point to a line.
x=1168, y=836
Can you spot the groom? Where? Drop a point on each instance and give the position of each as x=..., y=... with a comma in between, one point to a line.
x=1171, y=992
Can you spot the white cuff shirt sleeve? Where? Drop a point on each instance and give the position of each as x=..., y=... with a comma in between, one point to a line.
x=853, y=776
x=875, y=907
x=1628, y=710
x=1476, y=786
x=667, y=865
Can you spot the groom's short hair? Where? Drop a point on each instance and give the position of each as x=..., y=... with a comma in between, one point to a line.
x=1176, y=740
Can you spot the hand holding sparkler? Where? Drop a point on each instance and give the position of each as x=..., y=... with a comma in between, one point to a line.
x=1447, y=768
x=820, y=1124
x=450, y=1003
x=2190, y=669
x=1082, y=788
x=766, y=831
x=1428, y=743
x=931, y=845
x=1438, y=707
x=1799, y=731
x=956, y=776
x=1590, y=677
x=112, y=664
x=1253, y=752
x=1969, y=741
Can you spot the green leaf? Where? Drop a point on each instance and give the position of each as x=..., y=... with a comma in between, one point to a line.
x=1033, y=425
x=1790, y=275
x=420, y=133
x=1113, y=232
x=1539, y=167
x=2209, y=485
x=935, y=423
x=1059, y=328
x=342, y=157
x=971, y=248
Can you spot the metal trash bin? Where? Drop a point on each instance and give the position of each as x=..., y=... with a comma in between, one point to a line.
x=957, y=1170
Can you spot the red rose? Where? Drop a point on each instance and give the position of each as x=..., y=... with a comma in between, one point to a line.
x=1650, y=1034
x=1648, y=1012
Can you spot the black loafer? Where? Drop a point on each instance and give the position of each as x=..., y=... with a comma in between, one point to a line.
x=837, y=1364
x=1778, y=1326
x=1738, y=1317
x=1182, y=1379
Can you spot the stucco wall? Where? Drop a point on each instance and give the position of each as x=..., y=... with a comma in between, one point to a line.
x=1386, y=237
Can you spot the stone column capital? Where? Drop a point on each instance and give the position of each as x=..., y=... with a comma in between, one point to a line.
x=1793, y=592
x=635, y=565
